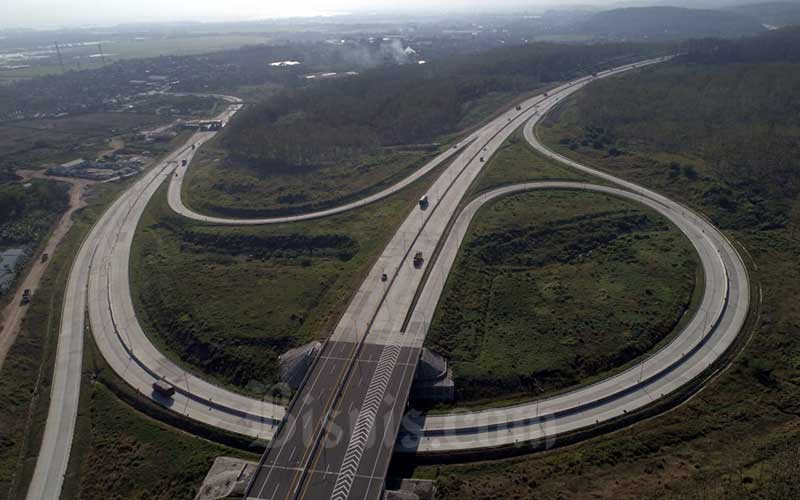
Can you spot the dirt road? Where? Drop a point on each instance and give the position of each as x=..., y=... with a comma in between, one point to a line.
x=13, y=313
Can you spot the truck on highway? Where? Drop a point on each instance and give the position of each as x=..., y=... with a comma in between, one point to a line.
x=163, y=388
x=418, y=260
x=423, y=202
x=26, y=297
x=183, y=162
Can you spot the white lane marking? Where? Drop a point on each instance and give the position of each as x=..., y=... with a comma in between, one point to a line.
x=274, y=491
x=366, y=418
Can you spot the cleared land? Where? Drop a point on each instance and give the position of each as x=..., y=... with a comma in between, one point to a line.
x=46, y=142
x=552, y=288
x=739, y=437
x=228, y=300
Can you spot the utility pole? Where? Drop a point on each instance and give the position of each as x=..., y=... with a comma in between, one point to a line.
x=102, y=56
x=60, y=59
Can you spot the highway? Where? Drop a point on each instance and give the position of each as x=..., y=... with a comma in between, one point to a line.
x=358, y=386
x=341, y=449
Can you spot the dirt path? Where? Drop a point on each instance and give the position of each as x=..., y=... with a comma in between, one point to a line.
x=13, y=313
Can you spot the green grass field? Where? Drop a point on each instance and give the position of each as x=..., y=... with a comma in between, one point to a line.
x=122, y=452
x=554, y=287
x=220, y=185
x=517, y=162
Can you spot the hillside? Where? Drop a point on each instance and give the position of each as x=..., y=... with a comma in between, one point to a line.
x=665, y=23
x=338, y=120
x=774, y=14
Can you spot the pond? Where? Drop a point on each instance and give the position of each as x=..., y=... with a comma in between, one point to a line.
x=10, y=259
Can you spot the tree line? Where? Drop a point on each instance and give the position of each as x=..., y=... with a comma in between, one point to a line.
x=26, y=212
x=739, y=117
x=399, y=105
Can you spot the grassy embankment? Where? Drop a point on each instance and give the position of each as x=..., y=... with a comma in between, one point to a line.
x=227, y=301
x=127, y=445
x=738, y=438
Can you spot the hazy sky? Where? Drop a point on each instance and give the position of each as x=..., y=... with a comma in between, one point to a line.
x=56, y=13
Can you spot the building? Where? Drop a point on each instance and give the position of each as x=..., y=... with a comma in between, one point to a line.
x=79, y=163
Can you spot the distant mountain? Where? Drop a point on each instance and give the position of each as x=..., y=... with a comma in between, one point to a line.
x=772, y=14
x=648, y=23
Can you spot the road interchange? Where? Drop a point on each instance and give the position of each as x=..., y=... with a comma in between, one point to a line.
x=378, y=312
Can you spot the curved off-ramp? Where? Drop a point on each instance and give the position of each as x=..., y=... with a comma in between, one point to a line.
x=175, y=192
x=700, y=343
